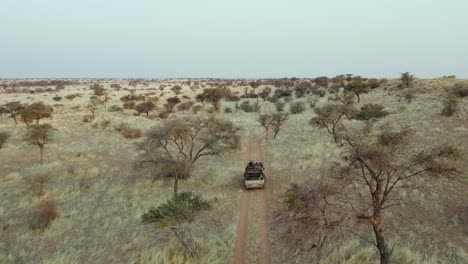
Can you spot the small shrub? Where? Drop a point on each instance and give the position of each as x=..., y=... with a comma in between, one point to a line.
x=288, y=99
x=43, y=215
x=131, y=132
x=3, y=138
x=408, y=96
x=249, y=108
x=460, y=89
x=450, y=106
x=272, y=99
x=105, y=124
x=87, y=118
x=312, y=102
x=185, y=106
x=196, y=108
x=371, y=112
x=296, y=107
x=57, y=98
x=95, y=125
x=115, y=108
x=120, y=127
x=37, y=184
x=228, y=110
x=129, y=105
x=163, y=114
x=279, y=106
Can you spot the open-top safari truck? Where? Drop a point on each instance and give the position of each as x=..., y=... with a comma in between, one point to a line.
x=254, y=175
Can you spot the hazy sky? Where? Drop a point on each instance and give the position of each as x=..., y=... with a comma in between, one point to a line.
x=229, y=39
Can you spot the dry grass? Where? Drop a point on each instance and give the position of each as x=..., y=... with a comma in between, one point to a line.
x=102, y=197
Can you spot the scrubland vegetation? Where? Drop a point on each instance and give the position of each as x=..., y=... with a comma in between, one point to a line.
x=149, y=171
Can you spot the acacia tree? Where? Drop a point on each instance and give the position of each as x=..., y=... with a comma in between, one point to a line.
x=36, y=111
x=265, y=93
x=39, y=135
x=278, y=120
x=213, y=96
x=407, y=79
x=329, y=117
x=144, y=107
x=173, y=147
x=92, y=107
x=382, y=163
x=312, y=215
x=357, y=87
x=265, y=121
x=201, y=98
x=13, y=109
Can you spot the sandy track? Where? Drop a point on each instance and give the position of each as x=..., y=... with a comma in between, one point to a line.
x=260, y=205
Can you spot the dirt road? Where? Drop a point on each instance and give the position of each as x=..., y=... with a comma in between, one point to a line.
x=252, y=232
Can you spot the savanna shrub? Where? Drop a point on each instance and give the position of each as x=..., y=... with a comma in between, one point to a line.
x=371, y=111
x=228, y=110
x=296, y=107
x=131, y=132
x=121, y=126
x=279, y=106
x=129, y=105
x=449, y=106
x=57, y=98
x=196, y=108
x=37, y=184
x=43, y=215
x=460, y=89
x=249, y=108
x=87, y=118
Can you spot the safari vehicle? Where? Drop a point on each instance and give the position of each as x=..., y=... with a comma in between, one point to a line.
x=254, y=175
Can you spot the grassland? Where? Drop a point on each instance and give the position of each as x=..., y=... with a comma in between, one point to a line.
x=101, y=196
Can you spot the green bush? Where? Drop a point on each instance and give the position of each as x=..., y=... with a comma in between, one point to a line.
x=181, y=207
x=371, y=112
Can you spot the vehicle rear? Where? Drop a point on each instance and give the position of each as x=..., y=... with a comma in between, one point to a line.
x=254, y=178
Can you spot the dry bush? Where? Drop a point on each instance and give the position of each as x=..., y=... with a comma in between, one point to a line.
x=450, y=106
x=37, y=184
x=163, y=114
x=185, y=106
x=121, y=126
x=115, y=108
x=43, y=215
x=105, y=124
x=95, y=125
x=144, y=107
x=129, y=132
x=57, y=98
x=460, y=89
x=297, y=107
x=228, y=110
x=249, y=108
x=129, y=105
x=87, y=118
x=3, y=138
x=279, y=106
x=196, y=108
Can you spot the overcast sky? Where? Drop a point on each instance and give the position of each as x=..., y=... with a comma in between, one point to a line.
x=232, y=39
